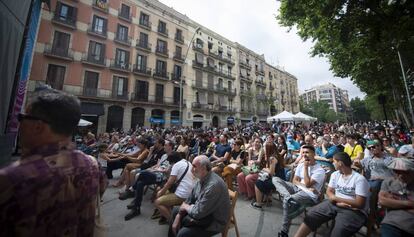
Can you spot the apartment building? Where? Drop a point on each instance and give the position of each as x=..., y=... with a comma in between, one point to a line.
x=132, y=62
x=336, y=97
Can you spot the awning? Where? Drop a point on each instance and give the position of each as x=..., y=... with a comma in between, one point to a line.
x=92, y=109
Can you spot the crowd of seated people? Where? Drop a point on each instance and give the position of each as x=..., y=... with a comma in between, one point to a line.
x=353, y=161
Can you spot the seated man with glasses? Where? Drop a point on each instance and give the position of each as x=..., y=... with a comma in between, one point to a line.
x=52, y=190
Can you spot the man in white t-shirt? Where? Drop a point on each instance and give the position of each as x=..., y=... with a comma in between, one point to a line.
x=303, y=191
x=347, y=202
x=182, y=178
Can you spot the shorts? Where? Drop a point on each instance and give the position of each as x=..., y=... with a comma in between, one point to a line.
x=170, y=199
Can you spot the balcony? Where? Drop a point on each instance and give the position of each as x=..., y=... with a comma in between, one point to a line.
x=145, y=24
x=200, y=86
x=90, y=92
x=117, y=96
x=261, y=97
x=246, y=93
x=120, y=66
x=260, y=72
x=260, y=83
x=143, y=45
x=125, y=16
x=162, y=32
x=93, y=60
x=126, y=41
x=100, y=6
x=197, y=64
x=66, y=21
x=178, y=57
x=54, y=52
x=221, y=57
x=179, y=38
x=245, y=65
x=203, y=107
x=139, y=97
x=176, y=77
x=95, y=32
x=141, y=71
x=161, y=75
x=226, y=74
x=160, y=51
x=246, y=78
x=198, y=48
x=227, y=91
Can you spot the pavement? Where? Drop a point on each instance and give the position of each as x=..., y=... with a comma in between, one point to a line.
x=251, y=222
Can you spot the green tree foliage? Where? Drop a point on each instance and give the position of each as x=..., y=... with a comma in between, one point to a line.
x=322, y=111
x=359, y=38
x=359, y=110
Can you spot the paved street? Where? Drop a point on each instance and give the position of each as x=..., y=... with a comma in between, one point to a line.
x=251, y=222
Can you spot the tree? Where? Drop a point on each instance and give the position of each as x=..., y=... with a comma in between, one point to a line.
x=359, y=38
x=359, y=110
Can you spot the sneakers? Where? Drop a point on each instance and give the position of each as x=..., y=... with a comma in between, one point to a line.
x=125, y=195
x=282, y=234
x=294, y=209
x=133, y=213
x=162, y=221
x=255, y=205
x=156, y=214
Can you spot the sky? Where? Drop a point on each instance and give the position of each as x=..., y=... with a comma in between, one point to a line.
x=252, y=23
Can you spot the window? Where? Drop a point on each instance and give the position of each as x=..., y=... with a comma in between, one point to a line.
x=159, y=93
x=141, y=90
x=178, y=51
x=177, y=72
x=199, y=58
x=61, y=43
x=121, y=58
x=179, y=35
x=161, y=46
x=122, y=33
x=144, y=19
x=90, y=84
x=220, y=83
x=65, y=13
x=96, y=51
x=229, y=86
x=199, y=78
x=210, y=45
x=210, y=81
x=143, y=40
x=176, y=95
x=210, y=98
x=199, y=43
x=125, y=11
x=55, y=76
x=161, y=67
x=229, y=70
x=162, y=27
x=141, y=62
x=220, y=67
x=120, y=86
x=99, y=25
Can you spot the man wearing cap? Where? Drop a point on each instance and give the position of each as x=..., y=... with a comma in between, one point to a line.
x=375, y=165
x=397, y=195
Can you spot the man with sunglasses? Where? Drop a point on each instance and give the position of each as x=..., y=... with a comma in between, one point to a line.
x=52, y=190
x=375, y=165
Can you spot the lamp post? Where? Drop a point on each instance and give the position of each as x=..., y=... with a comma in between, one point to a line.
x=406, y=88
x=181, y=78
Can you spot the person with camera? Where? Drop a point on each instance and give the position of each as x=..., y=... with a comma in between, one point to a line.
x=273, y=165
x=304, y=190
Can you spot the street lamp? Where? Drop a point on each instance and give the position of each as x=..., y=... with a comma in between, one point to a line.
x=181, y=78
x=406, y=88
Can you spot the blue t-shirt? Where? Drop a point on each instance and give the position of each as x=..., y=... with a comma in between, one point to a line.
x=332, y=150
x=293, y=145
x=222, y=149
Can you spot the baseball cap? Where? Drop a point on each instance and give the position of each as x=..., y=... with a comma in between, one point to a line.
x=402, y=164
x=372, y=143
x=404, y=149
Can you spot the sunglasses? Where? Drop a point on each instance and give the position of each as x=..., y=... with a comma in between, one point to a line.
x=371, y=147
x=21, y=117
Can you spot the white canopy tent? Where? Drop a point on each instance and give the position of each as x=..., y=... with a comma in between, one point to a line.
x=84, y=123
x=301, y=117
x=283, y=117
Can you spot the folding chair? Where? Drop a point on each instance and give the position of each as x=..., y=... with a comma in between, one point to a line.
x=232, y=218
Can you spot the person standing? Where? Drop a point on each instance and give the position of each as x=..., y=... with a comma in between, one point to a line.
x=52, y=190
